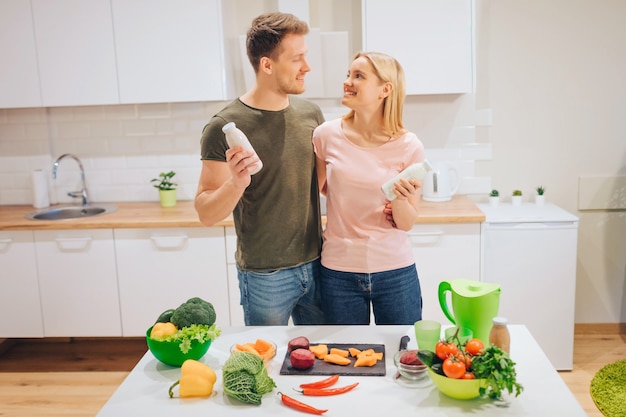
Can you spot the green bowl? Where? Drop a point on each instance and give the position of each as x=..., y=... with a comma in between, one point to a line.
x=461, y=389
x=169, y=352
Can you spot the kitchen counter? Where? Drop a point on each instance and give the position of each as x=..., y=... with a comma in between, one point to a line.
x=144, y=391
x=151, y=215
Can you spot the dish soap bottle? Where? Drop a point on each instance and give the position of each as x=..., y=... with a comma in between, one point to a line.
x=499, y=335
x=235, y=137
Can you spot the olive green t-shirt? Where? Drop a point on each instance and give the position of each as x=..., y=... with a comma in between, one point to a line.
x=277, y=219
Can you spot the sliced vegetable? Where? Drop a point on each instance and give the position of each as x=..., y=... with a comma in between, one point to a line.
x=319, y=350
x=336, y=359
x=365, y=360
x=324, y=383
x=354, y=351
x=298, y=405
x=341, y=352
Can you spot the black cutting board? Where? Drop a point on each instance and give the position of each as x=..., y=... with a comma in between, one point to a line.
x=326, y=368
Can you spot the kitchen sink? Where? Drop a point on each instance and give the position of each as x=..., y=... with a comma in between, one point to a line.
x=71, y=212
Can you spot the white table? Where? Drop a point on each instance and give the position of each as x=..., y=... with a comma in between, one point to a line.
x=144, y=391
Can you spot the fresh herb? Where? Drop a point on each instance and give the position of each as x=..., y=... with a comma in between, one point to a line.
x=498, y=369
x=199, y=332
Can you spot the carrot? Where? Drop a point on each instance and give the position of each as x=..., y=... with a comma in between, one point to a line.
x=340, y=352
x=336, y=359
x=365, y=360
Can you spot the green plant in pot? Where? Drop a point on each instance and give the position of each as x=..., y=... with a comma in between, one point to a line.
x=517, y=197
x=167, y=188
x=494, y=197
x=540, y=198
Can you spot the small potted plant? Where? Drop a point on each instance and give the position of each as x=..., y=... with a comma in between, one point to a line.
x=516, y=198
x=539, y=197
x=494, y=198
x=167, y=188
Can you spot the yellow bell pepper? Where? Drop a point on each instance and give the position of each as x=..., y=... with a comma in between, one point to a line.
x=197, y=380
x=162, y=330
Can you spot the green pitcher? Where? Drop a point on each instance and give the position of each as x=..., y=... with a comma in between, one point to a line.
x=474, y=305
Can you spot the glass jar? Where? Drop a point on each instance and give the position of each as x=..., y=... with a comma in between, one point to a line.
x=499, y=335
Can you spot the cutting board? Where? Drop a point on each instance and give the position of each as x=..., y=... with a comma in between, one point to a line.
x=326, y=368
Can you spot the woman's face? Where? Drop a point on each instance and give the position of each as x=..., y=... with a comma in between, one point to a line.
x=362, y=88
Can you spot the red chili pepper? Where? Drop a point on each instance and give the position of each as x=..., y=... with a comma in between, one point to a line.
x=328, y=391
x=292, y=402
x=323, y=383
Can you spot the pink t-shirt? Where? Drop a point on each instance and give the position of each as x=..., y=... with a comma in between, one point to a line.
x=358, y=237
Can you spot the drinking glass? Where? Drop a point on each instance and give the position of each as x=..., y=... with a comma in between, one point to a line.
x=427, y=334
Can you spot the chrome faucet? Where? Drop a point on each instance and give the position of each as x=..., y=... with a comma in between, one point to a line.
x=82, y=193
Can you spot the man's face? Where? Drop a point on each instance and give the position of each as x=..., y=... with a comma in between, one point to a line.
x=291, y=65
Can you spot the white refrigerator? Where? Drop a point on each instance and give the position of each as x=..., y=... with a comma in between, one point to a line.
x=530, y=250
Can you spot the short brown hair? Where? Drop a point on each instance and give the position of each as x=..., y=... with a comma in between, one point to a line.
x=266, y=33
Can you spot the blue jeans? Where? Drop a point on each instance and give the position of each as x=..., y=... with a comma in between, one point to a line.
x=395, y=296
x=269, y=298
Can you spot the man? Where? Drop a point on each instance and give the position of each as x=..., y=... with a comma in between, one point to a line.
x=276, y=211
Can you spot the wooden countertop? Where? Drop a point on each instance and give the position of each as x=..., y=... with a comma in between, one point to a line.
x=151, y=215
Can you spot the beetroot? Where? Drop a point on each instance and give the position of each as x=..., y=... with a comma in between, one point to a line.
x=302, y=358
x=299, y=342
x=410, y=358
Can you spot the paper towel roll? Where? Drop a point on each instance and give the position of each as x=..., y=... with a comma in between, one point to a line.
x=41, y=199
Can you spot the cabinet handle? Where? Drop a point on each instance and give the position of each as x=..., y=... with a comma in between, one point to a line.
x=73, y=244
x=426, y=238
x=169, y=242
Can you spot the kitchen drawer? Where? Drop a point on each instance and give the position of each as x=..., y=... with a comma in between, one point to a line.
x=159, y=269
x=444, y=252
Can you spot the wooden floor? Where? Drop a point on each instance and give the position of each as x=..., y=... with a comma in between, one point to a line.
x=75, y=377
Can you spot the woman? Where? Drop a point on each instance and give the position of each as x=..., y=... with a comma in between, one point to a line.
x=367, y=259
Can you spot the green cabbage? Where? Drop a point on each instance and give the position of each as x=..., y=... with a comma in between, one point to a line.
x=245, y=378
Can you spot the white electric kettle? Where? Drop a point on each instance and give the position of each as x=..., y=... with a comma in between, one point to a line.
x=437, y=185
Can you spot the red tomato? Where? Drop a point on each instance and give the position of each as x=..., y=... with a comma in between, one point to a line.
x=468, y=375
x=453, y=368
x=445, y=349
x=474, y=347
x=465, y=358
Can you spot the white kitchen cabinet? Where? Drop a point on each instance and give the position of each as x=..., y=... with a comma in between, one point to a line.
x=76, y=52
x=20, y=306
x=234, y=297
x=444, y=252
x=159, y=269
x=19, y=76
x=78, y=282
x=432, y=40
x=169, y=51
x=530, y=251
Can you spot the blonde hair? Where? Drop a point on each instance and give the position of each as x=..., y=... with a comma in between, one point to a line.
x=388, y=70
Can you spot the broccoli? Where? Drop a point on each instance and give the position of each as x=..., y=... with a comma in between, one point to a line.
x=193, y=311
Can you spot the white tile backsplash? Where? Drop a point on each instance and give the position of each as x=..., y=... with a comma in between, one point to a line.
x=123, y=147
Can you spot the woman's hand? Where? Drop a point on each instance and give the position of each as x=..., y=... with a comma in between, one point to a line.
x=404, y=209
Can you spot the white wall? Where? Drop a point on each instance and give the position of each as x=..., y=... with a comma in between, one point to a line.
x=554, y=73
x=551, y=73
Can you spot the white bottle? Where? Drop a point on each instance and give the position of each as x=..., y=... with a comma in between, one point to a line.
x=416, y=171
x=235, y=137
